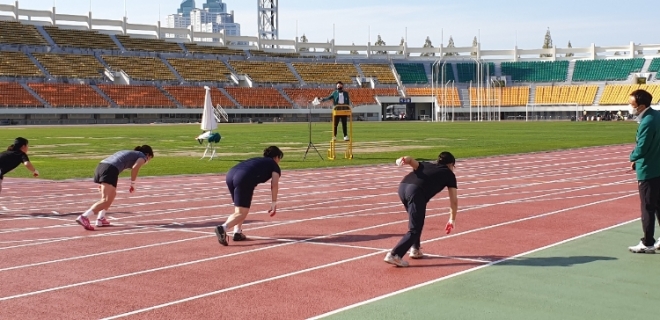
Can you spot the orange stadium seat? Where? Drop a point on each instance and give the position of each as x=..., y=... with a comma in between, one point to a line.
x=69, y=95
x=258, y=97
x=449, y=96
x=137, y=96
x=361, y=96
x=193, y=97
x=14, y=95
x=580, y=94
x=618, y=94
x=505, y=97
x=303, y=96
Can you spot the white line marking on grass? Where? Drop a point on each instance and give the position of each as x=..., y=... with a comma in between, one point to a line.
x=467, y=271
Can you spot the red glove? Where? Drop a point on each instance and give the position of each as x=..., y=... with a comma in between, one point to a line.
x=449, y=226
x=273, y=208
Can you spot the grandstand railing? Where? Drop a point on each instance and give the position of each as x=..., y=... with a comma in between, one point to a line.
x=289, y=46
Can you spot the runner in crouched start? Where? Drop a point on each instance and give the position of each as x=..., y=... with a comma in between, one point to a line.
x=15, y=155
x=107, y=176
x=415, y=191
x=241, y=180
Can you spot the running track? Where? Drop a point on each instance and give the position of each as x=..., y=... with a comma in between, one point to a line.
x=322, y=252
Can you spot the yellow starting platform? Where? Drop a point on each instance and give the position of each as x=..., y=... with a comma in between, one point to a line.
x=337, y=111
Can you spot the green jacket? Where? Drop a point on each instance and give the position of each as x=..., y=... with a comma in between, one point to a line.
x=647, y=152
x=335, y=98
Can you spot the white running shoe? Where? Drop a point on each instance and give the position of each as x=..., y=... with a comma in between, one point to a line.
x=657, y=244
x=346, y=138
x=395, y=260
x=641, y=248
x=415, y=253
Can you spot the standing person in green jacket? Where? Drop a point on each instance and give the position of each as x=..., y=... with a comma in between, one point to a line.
x=339, y=96
x=645, y=160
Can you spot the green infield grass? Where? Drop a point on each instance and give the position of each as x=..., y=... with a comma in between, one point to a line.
x=64, y=152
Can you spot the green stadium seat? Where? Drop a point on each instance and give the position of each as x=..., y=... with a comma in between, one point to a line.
x=467, y=71
x=411, y=73
x=606, y=70
x=536, y=71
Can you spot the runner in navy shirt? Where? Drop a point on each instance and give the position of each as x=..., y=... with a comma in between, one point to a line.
x=107, y=176
x=14, y=156
x=241, y=180
x=415, y=191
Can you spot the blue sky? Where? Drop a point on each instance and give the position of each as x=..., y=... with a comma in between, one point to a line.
x=499, y=23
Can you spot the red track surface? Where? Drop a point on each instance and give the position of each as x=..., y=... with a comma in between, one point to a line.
x=323, y=250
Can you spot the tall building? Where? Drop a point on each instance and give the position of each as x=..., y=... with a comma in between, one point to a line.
x=213, y=17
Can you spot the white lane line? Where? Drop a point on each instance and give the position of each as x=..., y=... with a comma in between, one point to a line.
x=467, y=271
x=334, y=264
x=103, y=253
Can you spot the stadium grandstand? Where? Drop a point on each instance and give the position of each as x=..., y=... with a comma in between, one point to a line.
x=53, y=71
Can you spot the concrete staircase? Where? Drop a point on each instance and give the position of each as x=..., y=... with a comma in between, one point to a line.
x=169, y=96
x=295, y=73
x=41, y=67
x=105, y=96
x=34, y=94
x=46, y=36
x=169, y=66
x=295, y=106
x=238, y=105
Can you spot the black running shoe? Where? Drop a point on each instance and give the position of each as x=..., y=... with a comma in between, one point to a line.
x=239, y=237
x=222, y=235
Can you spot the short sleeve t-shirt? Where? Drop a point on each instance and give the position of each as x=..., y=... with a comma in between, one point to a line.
x=431, y=178
x=258, y=170
x=123, y=160
x=9, y=160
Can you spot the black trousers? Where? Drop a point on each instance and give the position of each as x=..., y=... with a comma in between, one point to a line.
x=414, y=201
x=343, y=125
x=649, y=194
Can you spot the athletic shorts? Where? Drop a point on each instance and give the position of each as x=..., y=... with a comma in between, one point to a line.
x=106, y=173
x=241, y=188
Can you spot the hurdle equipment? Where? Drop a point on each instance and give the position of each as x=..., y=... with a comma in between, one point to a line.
x=342, y=110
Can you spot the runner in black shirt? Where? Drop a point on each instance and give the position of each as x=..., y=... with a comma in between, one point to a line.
x=14, y=156
x=415, y=190
x=241, y=180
